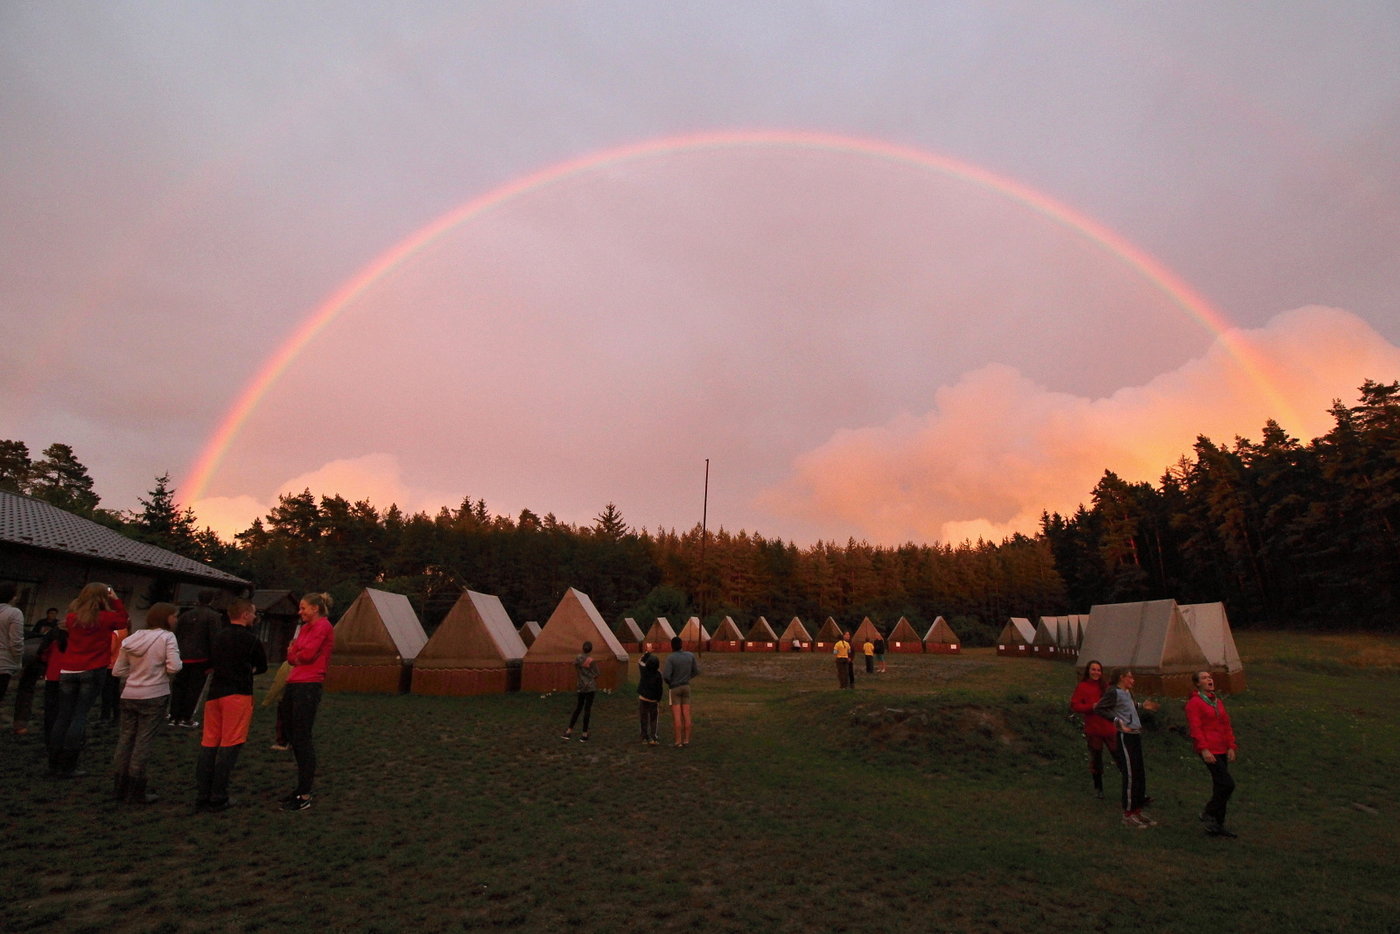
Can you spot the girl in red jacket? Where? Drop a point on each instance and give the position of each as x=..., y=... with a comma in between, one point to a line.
x=310, y=655
x=1098, y=732
x=82, y=666
x=1214, y=740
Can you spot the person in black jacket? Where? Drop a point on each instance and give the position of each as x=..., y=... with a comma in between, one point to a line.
x=648, y=696
x=194, y=630
x=235, y=656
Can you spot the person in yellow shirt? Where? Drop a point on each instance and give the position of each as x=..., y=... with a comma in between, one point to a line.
x=869, y=649
x=842, y=651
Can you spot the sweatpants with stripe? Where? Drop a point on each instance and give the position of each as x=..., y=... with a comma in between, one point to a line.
x=1127, y=755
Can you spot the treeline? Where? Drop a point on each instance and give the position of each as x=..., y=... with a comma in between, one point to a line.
x=1283, y=533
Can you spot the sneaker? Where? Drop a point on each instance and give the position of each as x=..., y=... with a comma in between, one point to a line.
x=567, y=735
x=279, y=747
x=1146, y=821
x=1221, y=832
x=296, y=803
x=583, y=738
x=1135, y=822
x=191, y=724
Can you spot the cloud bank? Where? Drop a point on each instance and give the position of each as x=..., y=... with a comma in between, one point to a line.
x=997, y=449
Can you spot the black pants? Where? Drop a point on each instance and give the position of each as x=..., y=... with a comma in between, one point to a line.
x=870, y=664
x=1222, y=786
x=1127, y=755
x=185, y=690
x=647, y=714
x=299, y=703
x=584, y=704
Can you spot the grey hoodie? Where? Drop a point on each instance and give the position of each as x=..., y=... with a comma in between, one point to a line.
x=147, y=659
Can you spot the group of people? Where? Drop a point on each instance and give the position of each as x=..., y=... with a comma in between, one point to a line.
x=675, y=674
x=1112, y=721
x=160, y=672
x=842, y=650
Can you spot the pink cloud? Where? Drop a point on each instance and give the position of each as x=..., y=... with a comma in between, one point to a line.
x=996, y=448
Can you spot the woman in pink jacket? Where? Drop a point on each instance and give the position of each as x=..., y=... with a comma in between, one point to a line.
x=1098, y=732
x=310, y=655
x=82, y=671
x=1214, y=740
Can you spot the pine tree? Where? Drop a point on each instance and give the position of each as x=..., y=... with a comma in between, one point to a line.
x=62, y=480
x=15, y=466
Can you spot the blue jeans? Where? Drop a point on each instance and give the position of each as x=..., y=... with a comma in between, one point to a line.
x=77, y=691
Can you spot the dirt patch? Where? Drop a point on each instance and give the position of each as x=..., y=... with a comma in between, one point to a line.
x=899, y=726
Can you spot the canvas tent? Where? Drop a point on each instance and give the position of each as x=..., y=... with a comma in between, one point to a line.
x=529, y=632
x=1211, y=628
x=903, y=638
x=659, y=636
x=375, y=643
x=549, y=663
x=475, y=650
x=694, y=637
x=795, y=631
x=827, y=636
x=727, y=637
x=1152, y=638
x=1016, y=637
x=761, y=637
x=629, y=634
x=865, y=632
x=1046, y=641
x=941, y=640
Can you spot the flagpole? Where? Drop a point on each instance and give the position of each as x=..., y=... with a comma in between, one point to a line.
x=704, y=523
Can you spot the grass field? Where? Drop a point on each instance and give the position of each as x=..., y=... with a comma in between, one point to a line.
x=950, y=794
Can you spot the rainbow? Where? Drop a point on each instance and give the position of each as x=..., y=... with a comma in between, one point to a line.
x=1159, y=275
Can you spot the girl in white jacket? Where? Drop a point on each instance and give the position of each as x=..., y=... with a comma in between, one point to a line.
x=147, y=659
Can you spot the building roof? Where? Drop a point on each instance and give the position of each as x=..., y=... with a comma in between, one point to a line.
x=33, y=523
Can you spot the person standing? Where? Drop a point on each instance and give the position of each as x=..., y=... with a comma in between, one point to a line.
x=1214, y=740
x=867, y=648
x=235, y=657
x=880, y=655
x=195, y=631
x=585, y=688
x=82, y=665
x=649, y=696
x=11, y=637
x=310, y=655
x=681, y=666
x=146, y=659
x=841, y=651
x=1117, y=705
x=37, y=646
x=1098, y=732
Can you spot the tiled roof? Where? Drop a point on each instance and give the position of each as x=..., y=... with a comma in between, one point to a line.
x=37, y=524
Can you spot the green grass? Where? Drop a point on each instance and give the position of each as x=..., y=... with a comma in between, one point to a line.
x=950, y=794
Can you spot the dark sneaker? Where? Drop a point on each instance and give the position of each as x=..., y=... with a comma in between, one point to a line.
x=296, y=803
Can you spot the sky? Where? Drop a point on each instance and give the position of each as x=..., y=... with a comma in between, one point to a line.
x=899, y=271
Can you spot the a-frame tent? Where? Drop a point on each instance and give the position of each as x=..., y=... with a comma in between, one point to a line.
x=529, y=632
x=941, y=640
x=475, y=650
x=1045, y=643
x=1016, y=637
x=375, y=643
x=694, y=637
x=629, y=634
x=727, y=637
x=795, y=637
x=659, y=636
x=761, y=637
x=903, y=638
x=827, y=636
x=1151, y=638
x=549, y=663
x=867, y=631
x=1211, y=627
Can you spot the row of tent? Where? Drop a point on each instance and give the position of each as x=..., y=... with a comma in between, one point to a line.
x=761, y=637
x=1163, y=642
x=381, y=647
